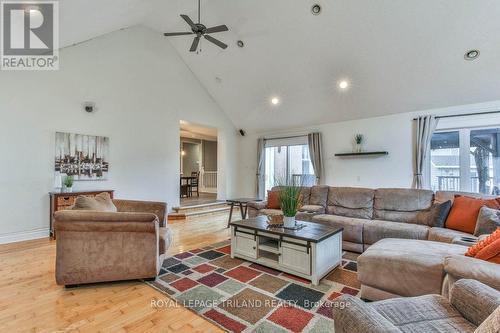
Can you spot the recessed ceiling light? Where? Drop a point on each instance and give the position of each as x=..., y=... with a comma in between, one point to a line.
x=343, y=84
x=471, y=54
x=316, y=9
x=240, y=43
x=275, y=101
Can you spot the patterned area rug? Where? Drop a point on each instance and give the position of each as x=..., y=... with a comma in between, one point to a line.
x=240, y=296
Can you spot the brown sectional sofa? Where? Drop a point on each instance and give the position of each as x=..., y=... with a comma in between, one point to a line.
x=403, y=253
x=369, y=215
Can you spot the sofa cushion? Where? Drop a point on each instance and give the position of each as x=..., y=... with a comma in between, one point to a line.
x=101, y=203
x=268, y=211
x=442, y=196
x=406, y=267
x=304, y=216
x=488, y=221
x=378, y=229
x=465, y=210
x=351, y=202
x=353, y=227
x=490, y=252
x=402, y=200
x=319, y=195
x=445, y=235
x=474, y=250
x=429, y=313
x=401, y=205
x=435, y=216
x=273, y=200
x=305, y=194
x=312, y=209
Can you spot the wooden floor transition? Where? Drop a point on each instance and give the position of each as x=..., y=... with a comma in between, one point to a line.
x=30, y=300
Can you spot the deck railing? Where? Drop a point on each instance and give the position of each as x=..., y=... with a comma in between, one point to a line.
x=452, y=183
x=208, y=181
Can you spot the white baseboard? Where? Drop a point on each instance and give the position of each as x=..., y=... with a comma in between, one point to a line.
x=23, y=236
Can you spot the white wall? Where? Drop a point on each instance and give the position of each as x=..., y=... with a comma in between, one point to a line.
x=141, y=88
x=391, y=133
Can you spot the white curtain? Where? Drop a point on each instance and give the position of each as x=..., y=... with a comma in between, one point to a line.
x=260, y=168
x=424, y=128
x=316, y=155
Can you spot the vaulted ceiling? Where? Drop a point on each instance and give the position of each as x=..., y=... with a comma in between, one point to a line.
x=398, y=56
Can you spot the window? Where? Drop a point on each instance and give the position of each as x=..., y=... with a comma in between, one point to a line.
x=466, y=160
x=288, y=163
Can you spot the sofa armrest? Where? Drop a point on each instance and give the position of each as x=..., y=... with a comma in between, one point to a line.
x=351, y=314
x=474, y=300
x=134, y=206
x=462, y=267
x=258, y=205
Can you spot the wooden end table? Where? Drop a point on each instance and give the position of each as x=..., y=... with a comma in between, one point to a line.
x=242, y=203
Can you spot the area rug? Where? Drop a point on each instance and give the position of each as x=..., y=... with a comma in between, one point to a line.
x=241, y=296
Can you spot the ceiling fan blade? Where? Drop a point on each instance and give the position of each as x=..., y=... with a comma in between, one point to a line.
x=189, y=21
x=177, y=33
x=215, y=41
x=194, y=46
x=219, y=28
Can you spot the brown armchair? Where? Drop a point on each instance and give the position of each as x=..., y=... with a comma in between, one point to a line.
x=97, y=246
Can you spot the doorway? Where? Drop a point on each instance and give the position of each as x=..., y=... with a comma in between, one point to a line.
x=198, y=164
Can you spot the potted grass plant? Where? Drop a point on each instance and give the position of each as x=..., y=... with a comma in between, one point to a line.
x=289, y=197
x=68, y=183
x=359, y=138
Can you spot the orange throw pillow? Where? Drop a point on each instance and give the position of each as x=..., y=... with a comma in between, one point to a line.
x=490, y=253
x=273, y=200
x=475, y=249
x=464, y=212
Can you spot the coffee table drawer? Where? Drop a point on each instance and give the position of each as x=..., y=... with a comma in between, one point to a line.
x=297, y=258
x=246, y=246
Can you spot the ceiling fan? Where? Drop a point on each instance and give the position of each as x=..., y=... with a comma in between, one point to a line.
x=200, y=30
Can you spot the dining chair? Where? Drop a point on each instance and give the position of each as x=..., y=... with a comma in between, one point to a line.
x=194, y=183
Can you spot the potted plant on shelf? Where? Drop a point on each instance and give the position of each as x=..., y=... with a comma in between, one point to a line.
x=358, y=138
x=289, y=197
x=68, y=183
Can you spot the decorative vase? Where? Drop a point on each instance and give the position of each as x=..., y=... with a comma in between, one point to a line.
x=359, y=148
x=68, y=189
x=289, y=221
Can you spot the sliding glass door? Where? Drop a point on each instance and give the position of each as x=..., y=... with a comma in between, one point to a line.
x=466, y=160
x=288, y=164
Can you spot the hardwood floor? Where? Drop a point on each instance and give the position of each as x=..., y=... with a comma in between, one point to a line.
x=30, y=300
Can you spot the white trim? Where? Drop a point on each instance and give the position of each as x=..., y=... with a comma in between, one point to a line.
x=23, y=236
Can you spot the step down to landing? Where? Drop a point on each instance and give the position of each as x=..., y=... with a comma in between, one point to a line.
x=180, y=213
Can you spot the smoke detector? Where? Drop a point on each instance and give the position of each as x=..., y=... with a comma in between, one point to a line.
x=316, y=9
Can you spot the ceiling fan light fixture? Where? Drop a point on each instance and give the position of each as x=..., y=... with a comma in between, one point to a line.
x=200, y=30
x=471, y=55
x=316, y=9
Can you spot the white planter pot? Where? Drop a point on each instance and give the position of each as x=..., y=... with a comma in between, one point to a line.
x=289, y=221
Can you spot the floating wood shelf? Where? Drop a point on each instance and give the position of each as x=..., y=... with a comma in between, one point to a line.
x=367, y=153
